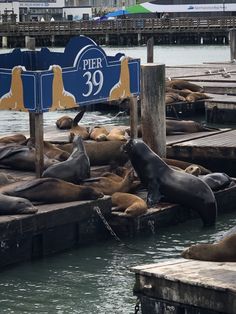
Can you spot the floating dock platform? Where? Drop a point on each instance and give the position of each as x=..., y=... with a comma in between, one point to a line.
x=218, y=80
x=184, y=286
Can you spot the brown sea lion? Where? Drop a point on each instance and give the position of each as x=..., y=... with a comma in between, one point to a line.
x=108, y=186
x=21, y=157
x=75, y=168
x=101, y=153
x=51, y=190
x=10, y=205
x=64, y=123
x=182, y=92
x=196, y=96
x=173, y=186
x=173, y=97
x=182, y=84
x=15, y=138
x=116, y=134
x=185, y=126
x=79, y=130
x=131, y=204
x=98, y=133
x=222, y=251
x=51, y=150
x=184, y=164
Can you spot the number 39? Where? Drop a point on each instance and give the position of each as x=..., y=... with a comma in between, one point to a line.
x=93, y=80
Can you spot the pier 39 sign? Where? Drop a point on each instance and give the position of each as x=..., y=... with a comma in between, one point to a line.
x=41, y=81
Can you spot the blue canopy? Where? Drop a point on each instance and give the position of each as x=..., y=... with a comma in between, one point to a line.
x=117, y=13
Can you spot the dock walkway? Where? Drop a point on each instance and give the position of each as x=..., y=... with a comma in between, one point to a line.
x=186, y=286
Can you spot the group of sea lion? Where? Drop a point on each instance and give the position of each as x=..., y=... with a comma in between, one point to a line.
x=178, y=90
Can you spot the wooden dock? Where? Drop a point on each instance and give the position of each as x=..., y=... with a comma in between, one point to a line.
x=219, y=81
x=186, y=286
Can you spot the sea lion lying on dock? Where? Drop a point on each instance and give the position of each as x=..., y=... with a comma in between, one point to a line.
x=183, y=84
x=116, y=134
x=15, y=138
x=196, y=96
x=174, y=186
x=10, y=205
x=173, y=97
x=51, y=190
x=64, y=123
x=98, y=133
x=21, y=157
x=79, y=130
x=108, y=186
x=75, y=168
x=221, y=251
x=131, y=204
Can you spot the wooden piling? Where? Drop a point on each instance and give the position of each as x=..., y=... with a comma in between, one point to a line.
x=232, y=41
x=133, y=117
x=153, y=110
x=150, y=54
x=39, y=154
x=30, y=42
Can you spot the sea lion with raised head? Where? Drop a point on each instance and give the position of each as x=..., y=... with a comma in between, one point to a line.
x=174, y=186
x=75, y=168
x=131, y=204
x=10, y=205
x=51, y=190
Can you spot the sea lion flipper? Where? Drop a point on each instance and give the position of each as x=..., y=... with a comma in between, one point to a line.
x=154, y=196
x=78, y=117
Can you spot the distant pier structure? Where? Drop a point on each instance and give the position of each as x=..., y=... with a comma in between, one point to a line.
x=125, y=31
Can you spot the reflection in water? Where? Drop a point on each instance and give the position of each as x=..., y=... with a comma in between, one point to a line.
x=96, y=279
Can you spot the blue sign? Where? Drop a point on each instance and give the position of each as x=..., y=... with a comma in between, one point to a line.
x=41, y=81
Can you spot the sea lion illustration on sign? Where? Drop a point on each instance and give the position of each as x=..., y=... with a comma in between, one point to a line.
x=122, y=88
x=61, y=99
x=14, y=99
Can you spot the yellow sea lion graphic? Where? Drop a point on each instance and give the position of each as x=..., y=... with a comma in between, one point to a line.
x=122, y=88
x=14, y=99
x=61, y=99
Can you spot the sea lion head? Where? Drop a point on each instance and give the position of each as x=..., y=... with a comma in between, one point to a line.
x=197, y=251
x=194, y=170
x=24, y=206
x=89, y=193
x=128, y=147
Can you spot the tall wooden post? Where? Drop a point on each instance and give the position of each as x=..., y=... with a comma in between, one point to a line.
x=150, y=54
x=232, y=41
x=133, y=117
x=153, y=109
x=39, y=155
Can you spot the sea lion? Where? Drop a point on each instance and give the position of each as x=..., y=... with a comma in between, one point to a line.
x=116, y=134
x=221, y=251
x=51, y=150
x=98, y=133
x=6, y=179
x=131, y=204
x=173, y=97
x=181, y=92
x=196, y=96
x=174, y=126
x=184, y=164
x=182, y=84
x=109, y=186
x=175, y=186
x=21, y=157
x=217, y=180
x=79, y=130
x=177, y=126
x=75, y=168
x=64, y=123
x=51, y=190
x=15, y=138
x=194, y=170
x=10, y=205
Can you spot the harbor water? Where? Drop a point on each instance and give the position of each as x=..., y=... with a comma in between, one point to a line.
x=96, y=279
